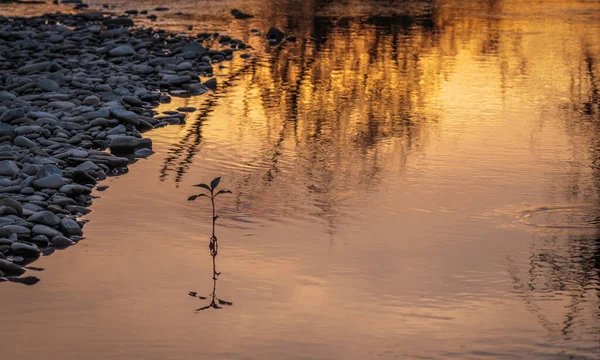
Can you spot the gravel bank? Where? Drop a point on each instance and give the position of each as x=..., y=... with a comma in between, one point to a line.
x=76, y=92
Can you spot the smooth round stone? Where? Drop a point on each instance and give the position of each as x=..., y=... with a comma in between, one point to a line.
x=54, y=181
x=5, y=95
x=48, y=170
x=87, y=165
x=40, y=240
x=13, y=204
x=6, y=130
x=129, y=143
x=91, y=100
x=123, y=50
x=14, y=229
x=70, y=227
x=45, y=218
x=31, y=169
x=22, y=141
x=62, y=105
x=8, y=168
x=74, y=190
x=63, y=201
x=128, y=117
x=8, y=268
x=117, y=130
x=47, y=85
x=131, y=100
x=143, y=69
x=44, y=230
x=24, y=250
x=60, y=241
x=27, y=191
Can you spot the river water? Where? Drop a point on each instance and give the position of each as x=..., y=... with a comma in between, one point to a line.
x=411, y=180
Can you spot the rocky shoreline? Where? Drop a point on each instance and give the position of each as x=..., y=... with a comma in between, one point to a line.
x=76, y=92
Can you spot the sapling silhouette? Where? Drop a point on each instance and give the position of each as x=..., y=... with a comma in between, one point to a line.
x=214, y=243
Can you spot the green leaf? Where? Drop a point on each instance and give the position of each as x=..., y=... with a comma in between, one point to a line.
x=223, y=192
x=203, y=186
x=215, y=182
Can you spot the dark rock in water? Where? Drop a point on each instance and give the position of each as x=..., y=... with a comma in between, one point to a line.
x=274, y=35
x=102, y=187
x=142, y=153
x=240, y=15
x=211, y=84
x=290, y=38
x=178, y=80
x=197, y=89
x=131, y=12
x=90, y=16
x=9, y=268
x=129, y=144
x=118, y=21
x=161, y=9
x=186, y=109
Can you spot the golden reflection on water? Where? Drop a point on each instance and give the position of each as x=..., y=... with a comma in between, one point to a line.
x=376, y=166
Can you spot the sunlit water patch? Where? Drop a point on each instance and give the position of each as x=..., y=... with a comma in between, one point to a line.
x=366, y=162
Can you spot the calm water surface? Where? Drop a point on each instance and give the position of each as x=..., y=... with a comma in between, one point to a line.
x=411, y=180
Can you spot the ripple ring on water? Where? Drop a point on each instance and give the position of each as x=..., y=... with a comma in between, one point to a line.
x=585, y=216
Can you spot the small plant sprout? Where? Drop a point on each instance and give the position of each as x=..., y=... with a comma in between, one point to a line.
x=212, y=187
x=214, y=245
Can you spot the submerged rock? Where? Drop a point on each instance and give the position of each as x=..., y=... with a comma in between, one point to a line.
x=240, y=15
x=274, y=35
